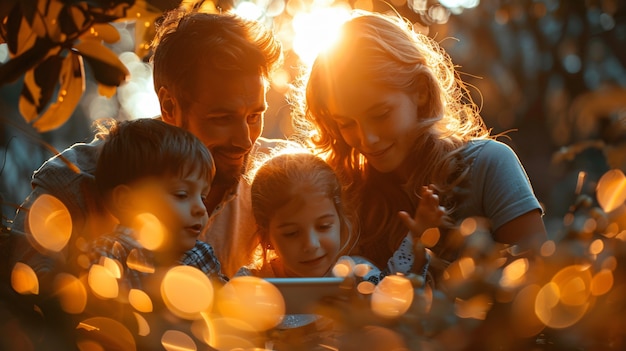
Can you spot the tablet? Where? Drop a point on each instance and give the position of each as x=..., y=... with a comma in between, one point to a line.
x=303, y=294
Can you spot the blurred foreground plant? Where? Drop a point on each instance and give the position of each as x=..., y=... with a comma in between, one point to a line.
x=48, y=42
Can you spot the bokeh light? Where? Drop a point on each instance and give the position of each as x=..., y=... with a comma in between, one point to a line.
x=476, y=307
x=392, y=297
x=175, y=340
x=187, y=292
x=24, y=280
x=611, y=190
x=140, y=300
x=258, y=304
x=50, y=223
x=100, y=333
x=71, y=293
x=152, y=233
x=102, y=282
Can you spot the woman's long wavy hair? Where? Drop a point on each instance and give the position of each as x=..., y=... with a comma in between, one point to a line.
x=385, y=51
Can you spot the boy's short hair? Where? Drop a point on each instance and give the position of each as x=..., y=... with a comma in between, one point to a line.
x=146, y=147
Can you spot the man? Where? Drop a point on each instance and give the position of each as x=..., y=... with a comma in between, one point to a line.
x=211, y=75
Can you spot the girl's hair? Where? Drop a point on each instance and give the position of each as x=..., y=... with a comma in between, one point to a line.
x=278, y=179
x=143, y=148
x=187, y=40
x=384, y=50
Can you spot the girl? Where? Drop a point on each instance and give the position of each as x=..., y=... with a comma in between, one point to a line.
x=304, y=226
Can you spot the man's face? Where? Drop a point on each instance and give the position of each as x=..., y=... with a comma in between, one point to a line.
x=225, y=111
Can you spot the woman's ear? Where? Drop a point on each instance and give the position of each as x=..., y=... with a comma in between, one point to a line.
x=422, y=91
x=168, y=105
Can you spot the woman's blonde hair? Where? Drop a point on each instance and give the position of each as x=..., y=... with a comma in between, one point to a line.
x=384, y=50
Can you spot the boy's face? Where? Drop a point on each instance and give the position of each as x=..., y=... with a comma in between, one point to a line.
x=177, y=202
x=225, y=111
x=306, y=234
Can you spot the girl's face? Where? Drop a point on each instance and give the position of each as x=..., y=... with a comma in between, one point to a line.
x=305, y=233
x=379, y=123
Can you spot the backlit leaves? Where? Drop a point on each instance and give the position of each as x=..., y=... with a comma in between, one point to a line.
x=108, y=69
x=69, y=94
x=48, y=41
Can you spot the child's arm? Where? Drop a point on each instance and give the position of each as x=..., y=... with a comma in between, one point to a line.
x=412, y=255
x=428, y=214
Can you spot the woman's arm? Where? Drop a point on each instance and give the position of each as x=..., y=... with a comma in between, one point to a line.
x=526, y=231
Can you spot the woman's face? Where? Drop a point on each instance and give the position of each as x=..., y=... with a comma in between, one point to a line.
x=380, y=123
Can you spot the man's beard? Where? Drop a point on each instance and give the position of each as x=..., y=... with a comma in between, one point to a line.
x=227, y=176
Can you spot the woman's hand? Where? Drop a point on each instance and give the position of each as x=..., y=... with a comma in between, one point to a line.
x=429, y=213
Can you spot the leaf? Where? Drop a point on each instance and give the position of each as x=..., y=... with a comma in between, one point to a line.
x=67, y=20
x=39, y=84
x=110, y=12
x=145, y=15
x=6, y=7
x=52, y=25
x=72, y=87
x=106, y=90
x=13, y=23
x=39, y=22
x=103, y=31
x=17, y=66
x=29, y=8
x=107, y=67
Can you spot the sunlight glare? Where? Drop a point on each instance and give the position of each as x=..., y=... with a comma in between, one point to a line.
x=468, y=4
x=317, y=30
x=249, y=10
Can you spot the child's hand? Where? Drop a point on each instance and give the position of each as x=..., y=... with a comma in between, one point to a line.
x=428, y=214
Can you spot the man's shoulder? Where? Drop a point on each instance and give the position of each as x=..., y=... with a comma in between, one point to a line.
x=80, y=157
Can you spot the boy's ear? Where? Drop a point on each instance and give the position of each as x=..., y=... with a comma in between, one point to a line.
x=122, y=198
x=168, y=105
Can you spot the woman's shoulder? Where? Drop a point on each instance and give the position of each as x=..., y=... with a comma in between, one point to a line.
x=487, y=150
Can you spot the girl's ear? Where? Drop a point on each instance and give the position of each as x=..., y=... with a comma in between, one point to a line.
x=168, y=105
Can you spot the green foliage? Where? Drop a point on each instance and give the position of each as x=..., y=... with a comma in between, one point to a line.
x=48, y=41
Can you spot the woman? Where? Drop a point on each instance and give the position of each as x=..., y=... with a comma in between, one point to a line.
x=391, y=115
